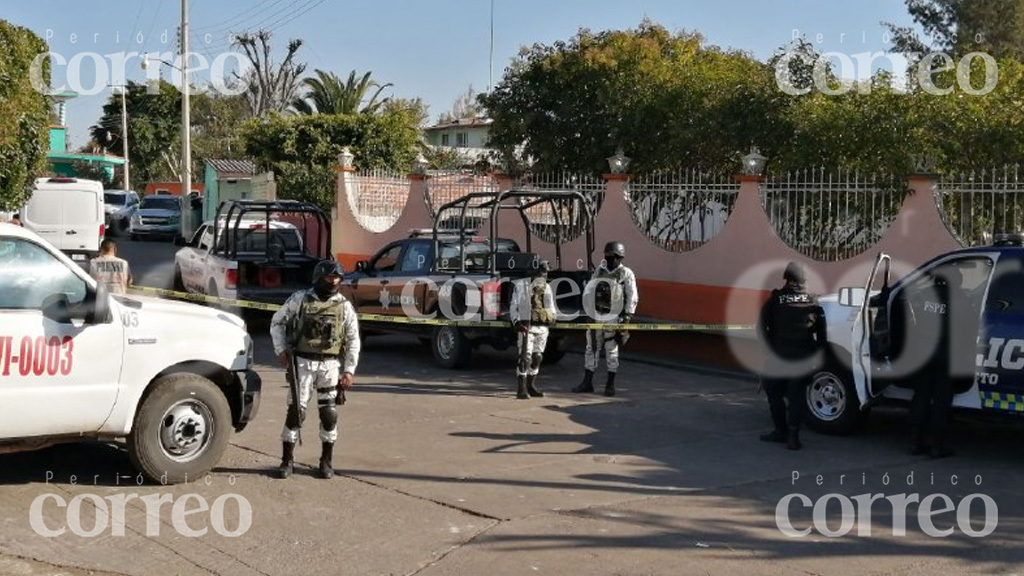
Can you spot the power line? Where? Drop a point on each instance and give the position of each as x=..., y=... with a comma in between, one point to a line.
x=232, y=22
x=297, y=13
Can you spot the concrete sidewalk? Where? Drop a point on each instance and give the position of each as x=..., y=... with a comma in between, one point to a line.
x=444, y=472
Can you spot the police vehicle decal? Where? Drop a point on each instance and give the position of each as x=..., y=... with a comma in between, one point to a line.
x=36, y=356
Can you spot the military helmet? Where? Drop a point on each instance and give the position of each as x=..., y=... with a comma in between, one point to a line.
x=540, y=268
x=794, y=273
x=327, y=268
x=615, y=248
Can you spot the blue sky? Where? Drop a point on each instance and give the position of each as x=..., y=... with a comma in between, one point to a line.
x=433, y=49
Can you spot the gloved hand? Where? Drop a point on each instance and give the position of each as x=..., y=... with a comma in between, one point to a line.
x=625, y=318
x=523, y=327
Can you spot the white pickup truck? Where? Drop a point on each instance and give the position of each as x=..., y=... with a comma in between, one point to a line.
x=172, y=378
x=252, y=252
x=876, y=330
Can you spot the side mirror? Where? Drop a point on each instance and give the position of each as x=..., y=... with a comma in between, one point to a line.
x=100, y=307
x=362, y=266
x=56, y=308
x=853, y=297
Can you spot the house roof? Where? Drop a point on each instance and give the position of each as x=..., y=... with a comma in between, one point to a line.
x=232, y=166
x=462, y=123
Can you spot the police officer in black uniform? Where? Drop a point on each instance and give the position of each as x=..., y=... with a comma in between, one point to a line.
x=792, y=324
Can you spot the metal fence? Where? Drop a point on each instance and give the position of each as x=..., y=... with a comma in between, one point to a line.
x=831, y=216
x=443, y=187
x=377, y=198
x=681, y=210
x=561, y=220
x=977, y=205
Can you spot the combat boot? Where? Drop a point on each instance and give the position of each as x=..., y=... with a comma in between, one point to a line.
x=531, y=389
x=588, y=383
x=609, y=385
x=287, y=460
x=794, y=440
x=521, y=393
x=326, y=468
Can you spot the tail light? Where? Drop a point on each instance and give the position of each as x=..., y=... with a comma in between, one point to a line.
x=230, y=279
x=491, y=299
x=270, y=277
x=103, y=231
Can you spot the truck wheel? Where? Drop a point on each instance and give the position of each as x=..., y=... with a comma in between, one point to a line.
x=832, y=403
x=181, y=429
x=451, y=348
x=179, y=282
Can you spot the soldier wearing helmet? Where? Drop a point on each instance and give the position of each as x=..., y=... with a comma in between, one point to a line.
x=316, y=338
x=792, y=324
x=614, y=294
x=532, y=312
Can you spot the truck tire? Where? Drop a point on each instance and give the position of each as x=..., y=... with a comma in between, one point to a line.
x=179, y=282
x=832, y=403
x=451, y=349
x=181, y=429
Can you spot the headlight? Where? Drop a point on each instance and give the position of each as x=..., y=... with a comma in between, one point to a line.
x=136, y=219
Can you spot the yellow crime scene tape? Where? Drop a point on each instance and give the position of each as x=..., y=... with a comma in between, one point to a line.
x=386, y=318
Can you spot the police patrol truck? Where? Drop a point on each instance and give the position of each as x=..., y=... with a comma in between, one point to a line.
x=171, y=378
x=870, y=327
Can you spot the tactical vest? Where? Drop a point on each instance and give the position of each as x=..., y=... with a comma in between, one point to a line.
x=793, y=318
x=539, y=314
x=610, y=293
x=319, y=327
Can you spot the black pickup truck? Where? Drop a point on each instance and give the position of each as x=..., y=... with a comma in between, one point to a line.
x=444, y=273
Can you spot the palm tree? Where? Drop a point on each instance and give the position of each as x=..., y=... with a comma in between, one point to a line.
x=327, y=94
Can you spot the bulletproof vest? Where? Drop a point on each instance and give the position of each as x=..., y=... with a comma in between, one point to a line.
x=539, y=314
x=609, y=296
x=319, y=328
x=793, y=319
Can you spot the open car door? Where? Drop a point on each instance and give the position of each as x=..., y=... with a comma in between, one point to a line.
x=872, y=333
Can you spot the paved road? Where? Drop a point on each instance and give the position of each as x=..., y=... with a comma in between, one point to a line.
x=446, y=473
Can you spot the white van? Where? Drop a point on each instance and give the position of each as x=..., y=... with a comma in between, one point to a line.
x=68, y=213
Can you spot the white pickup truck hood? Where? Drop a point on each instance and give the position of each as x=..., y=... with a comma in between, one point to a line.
x=167, y=313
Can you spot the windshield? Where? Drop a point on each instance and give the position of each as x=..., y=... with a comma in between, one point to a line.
x=256, y=240
x=160, y=203
x=118, y=199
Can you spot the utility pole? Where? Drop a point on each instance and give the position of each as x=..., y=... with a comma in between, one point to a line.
x=124, y=135
x=186, y=129
x=490, y=61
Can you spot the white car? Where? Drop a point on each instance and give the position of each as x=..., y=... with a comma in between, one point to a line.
x=172, y=378
x=119, y=207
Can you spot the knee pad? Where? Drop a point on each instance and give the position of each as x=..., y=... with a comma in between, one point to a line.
x=295, y=417
x=329, y=417
x=536, y=360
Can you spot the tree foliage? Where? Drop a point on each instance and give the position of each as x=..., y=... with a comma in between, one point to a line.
x=154, y=131
x=465, y=105
x=327, y=93
x=24, y=114
x=958, y=27
x=302, y=150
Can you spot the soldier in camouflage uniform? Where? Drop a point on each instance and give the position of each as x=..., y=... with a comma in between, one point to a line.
x=532, y=311
x=316, y=337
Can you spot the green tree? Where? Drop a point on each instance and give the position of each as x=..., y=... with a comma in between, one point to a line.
x=216, y=123
x=466, y=105
x=666, y=98
x=329, y=94
x=24, y=114
x=302, y=150
x=154, y=131
x=961, y=26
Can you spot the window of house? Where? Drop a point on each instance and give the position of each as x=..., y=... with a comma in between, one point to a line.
x=461, y=139
x=444, y=140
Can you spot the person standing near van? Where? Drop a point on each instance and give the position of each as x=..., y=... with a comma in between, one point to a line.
x=109, y=270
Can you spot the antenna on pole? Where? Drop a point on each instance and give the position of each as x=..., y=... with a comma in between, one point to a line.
x=490, y=63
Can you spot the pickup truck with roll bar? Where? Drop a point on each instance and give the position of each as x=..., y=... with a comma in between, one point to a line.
x=457, y=272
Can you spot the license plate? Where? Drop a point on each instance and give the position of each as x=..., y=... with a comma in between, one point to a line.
x=78, y=256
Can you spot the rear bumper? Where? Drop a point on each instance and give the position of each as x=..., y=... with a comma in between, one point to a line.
x=155, y=230
x=251, y=387
x=81, y=256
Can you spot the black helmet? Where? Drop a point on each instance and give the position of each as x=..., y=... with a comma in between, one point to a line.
x=540, y=268
x=794, y=273
x=616, y=249
x=327, y=268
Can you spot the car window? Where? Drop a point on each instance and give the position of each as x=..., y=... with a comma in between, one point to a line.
x=1007, y=290
x=967, y=275
x=387, y=260
x=160, y=203
x=116, y=199
x=256, y=240
x=416, y=257
x=31, y=277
